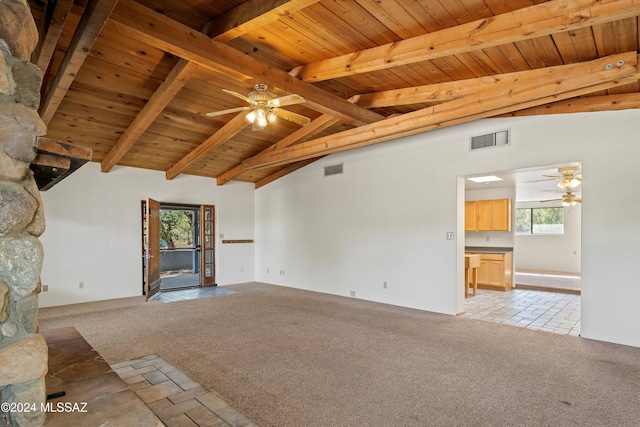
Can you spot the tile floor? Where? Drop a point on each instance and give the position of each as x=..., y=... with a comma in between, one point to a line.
x=78, y=375
x=175, y=398
x=544, y=311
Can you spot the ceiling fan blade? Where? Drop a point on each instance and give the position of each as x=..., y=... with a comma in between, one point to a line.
x=578, y=200
x=554, y=176
x=551, y=200
x=541, y=180
x=291, y=116
x=239, y=95
x=286, y=100
x=223, y=112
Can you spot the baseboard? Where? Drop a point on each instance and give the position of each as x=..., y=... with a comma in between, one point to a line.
x=547, y=289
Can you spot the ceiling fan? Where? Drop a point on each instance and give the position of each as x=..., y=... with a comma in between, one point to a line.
x=569, y=177
x=264, y=107
x=568, y=199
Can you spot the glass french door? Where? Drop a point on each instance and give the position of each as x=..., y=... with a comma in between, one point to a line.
x=208, y=246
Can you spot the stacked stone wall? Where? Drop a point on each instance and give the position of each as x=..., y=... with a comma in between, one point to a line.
x=23, y=351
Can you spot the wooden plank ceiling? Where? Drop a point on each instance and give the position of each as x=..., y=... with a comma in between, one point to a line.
x=132, y=80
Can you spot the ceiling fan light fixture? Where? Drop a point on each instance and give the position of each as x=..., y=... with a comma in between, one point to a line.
x=265, y=107
x=569, y=182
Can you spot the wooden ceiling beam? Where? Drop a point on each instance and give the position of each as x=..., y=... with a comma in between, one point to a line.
x=561, y=82
x=441, y=92
x=251, y=15
x=176, y=79
x=179, y=76
x=586, y=104
x=93, y=19
x=313, y=128
x=437, y=92
x=284, y=171
x=522, y=24
x=56, y=13
x=224, y=134
x=141, y=23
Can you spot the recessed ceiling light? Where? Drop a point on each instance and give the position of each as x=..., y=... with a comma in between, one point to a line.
x=489, y=178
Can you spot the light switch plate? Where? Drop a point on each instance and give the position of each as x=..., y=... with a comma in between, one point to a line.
x=450, y=235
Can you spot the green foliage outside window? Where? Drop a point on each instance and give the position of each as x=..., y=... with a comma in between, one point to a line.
x=175, y=229
x=540, y=221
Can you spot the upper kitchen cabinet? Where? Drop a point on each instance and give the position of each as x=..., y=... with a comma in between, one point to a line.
x=487, y=215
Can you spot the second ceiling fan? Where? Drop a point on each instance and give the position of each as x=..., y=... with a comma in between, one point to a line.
x=264, y=107
x=568, y=199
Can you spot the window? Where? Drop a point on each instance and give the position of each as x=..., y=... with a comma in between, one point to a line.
x=540, y=221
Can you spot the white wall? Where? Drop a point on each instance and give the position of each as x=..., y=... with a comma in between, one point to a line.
x=554, y=252
x=386, y=218
x=93, y=232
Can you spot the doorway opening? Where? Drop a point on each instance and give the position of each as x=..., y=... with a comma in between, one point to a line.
x=178, y=247
x=541, y=273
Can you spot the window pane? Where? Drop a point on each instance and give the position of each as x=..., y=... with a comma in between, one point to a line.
x=523, y=221
x=540, y=221
x=548, y=220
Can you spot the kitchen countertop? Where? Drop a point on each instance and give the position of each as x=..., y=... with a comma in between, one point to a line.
x=488, y=249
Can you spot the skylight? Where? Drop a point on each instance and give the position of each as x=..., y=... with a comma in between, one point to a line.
x=488, y=178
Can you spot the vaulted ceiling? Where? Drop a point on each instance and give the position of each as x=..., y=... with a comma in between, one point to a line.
x=133, y=80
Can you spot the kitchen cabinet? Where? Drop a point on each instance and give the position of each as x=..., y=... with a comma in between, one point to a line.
x=470, y=216
x=495, y=271
x=487, y=215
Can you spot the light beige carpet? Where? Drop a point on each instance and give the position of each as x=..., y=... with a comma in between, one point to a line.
x=288, y=357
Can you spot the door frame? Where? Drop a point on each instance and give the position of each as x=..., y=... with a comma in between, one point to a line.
x=199, y=233
x=208, y=245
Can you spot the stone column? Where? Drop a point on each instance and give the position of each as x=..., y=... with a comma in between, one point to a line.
x=23, y=351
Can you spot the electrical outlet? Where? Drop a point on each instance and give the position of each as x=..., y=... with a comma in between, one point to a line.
x=450, y=235
x=241, y=269
x=487, y=238
x=353, y=293
x=384, y=285
x=45, y=288
x=81, y=285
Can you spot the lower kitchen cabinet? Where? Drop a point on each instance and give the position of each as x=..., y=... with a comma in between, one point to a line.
x=495, y=271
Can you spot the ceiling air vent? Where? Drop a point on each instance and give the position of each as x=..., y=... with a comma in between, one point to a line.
x=333, y=170
x=494, y=139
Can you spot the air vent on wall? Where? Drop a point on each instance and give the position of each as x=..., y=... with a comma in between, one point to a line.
x=494, y=139
x=333, y=169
